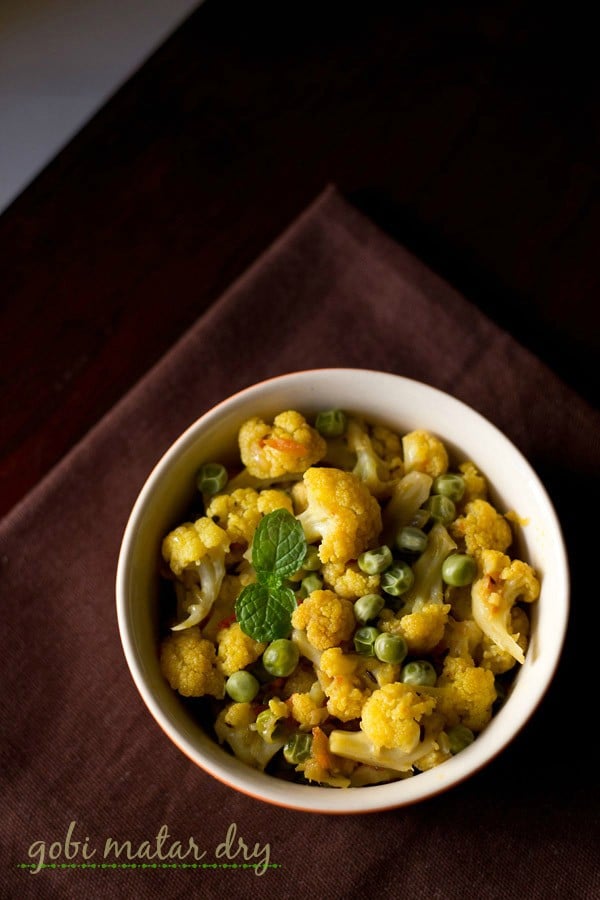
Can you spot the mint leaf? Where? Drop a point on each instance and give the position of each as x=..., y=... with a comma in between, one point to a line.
x=279, y=545
x=265, y=613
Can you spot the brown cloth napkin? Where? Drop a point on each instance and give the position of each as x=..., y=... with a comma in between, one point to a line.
x=78, y=745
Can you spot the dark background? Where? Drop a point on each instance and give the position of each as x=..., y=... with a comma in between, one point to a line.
x=467, y=132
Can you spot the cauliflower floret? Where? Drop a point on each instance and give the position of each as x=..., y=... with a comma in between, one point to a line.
x=408, y=495
x=189, y=543
x=424, y=452
x=481, y=528
x=348, y=679
x=388, y=446
x=189, y=664
x=462, y=639
x=423, y=615
x=195, y=552
x=240, y=512
x=305, y=648
x=341, y=680
x=288, y=446
x=349, y=581
x=459, y=599
x=236, y=649
x=501, y=583
x=428, y=586
x=391, y=716
x=464, y=693
x=234, y=726
x=308, y=709
x=494, y=657
x=421, y=630
x=299, y=497
x=300, y=681
x=341, y=512
x=327, y=619
x=434, y=725
x=378, y=456
x=223, y=610
x=475, y=483
x=323, y=766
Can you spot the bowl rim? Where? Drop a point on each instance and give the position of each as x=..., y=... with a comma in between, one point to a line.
x=314, y=798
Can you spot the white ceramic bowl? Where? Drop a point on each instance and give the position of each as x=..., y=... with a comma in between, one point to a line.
x=405, y=405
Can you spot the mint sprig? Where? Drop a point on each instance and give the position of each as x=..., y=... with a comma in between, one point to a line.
x=264, y=609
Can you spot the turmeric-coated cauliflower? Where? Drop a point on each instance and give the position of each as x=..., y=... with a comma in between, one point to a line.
x=190, y=543
x=308, y=709
x=327, y=619
x=236, y=649
x=378, y=456
x=240, y=512
x=464, y=693
x=421, y=630
x=341, y=512
x=288, y=446
x=223, y=609
x=408, y=495
x=301, y=680
x=235, y=726
x=481, y=528
x=494, y=657
x=323, y=766
x=341, y=681
x=501, y=583
x=195, y=552
x=424, y=452
x=349, y=679
x=462, y=639
x=348, y=581
x=475, y=483
x=189, y=664
x=391, y=716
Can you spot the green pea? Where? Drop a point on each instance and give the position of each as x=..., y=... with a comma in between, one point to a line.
x=331, y=422
x=420, y=671
x=398, y=579
x=459, y=569
x=311, y=561
x=375, y=561
x=242, y=686
x=364, y=639
x=281, y=657
x=411, y=540
x=368, y=607
x=211, y=478
x=310, y=583
x=390, y=648
x=449, y=485
x=298, y=748
x=459, y=737
x=441, y=509
x=420, y=518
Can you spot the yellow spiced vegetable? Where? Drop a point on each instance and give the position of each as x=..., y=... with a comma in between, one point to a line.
x=340, y=512
x=482, y=528
x=239, y=512
x=288, y=446
x=501, y=583
x=424, y=452
x=189, y=664
x=357, y=622
x=327, y=619
x=195, y=552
